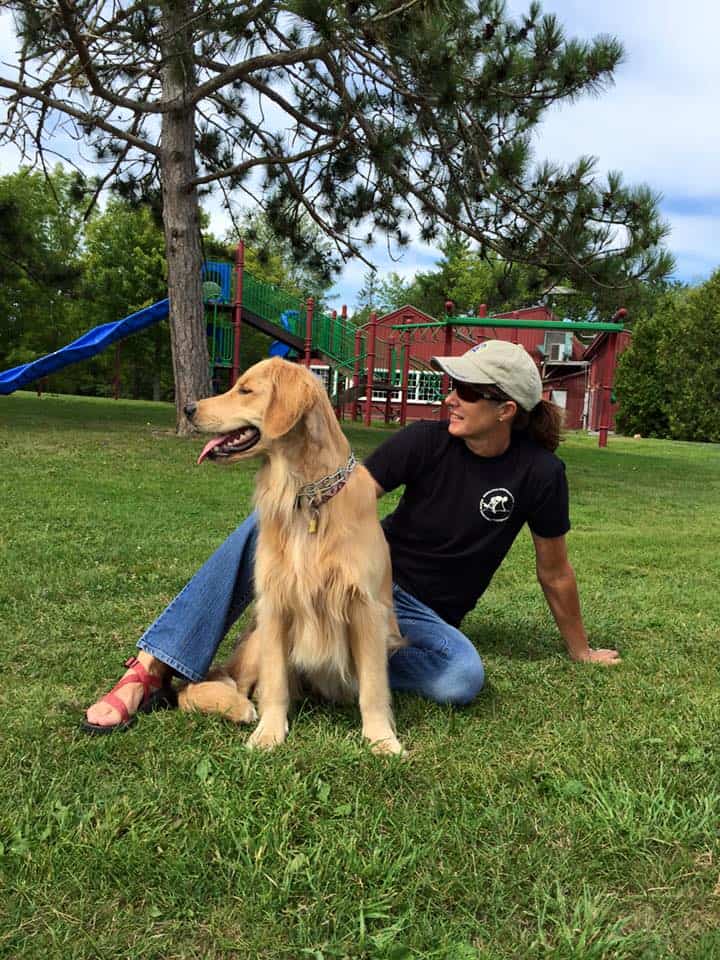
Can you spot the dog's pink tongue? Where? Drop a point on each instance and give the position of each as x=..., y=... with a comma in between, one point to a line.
x=210, y=445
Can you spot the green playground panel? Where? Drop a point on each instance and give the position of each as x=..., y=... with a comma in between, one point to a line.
x=268, y=301
x=333, y=337
x=220, y=337
x=223, y=344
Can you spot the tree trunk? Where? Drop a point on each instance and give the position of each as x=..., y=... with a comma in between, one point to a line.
x=181, y=218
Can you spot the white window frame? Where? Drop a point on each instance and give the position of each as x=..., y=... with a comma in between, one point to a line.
x=421, y=384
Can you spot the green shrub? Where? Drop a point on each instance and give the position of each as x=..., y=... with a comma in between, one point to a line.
x=668, y=380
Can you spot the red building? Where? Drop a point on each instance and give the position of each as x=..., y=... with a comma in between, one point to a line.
x=601, y=356
x=573, y=373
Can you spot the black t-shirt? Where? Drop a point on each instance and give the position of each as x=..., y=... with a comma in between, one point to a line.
x=460, y=513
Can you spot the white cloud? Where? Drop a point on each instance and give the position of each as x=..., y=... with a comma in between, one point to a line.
x=695, y=245
x=664, y=141
x=657, y=124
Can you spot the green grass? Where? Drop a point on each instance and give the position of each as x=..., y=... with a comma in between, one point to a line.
x=570, y=812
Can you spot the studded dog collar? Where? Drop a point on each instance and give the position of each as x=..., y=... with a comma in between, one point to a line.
x=320, y=491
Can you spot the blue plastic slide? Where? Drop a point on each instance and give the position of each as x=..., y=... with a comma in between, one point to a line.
x=277, y=347
x=90, y=343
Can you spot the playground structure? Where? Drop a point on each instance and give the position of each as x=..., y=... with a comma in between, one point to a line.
x=234, y=298
x=607, y=358
x=365, y=371
x=344, y=355
x=362, y=370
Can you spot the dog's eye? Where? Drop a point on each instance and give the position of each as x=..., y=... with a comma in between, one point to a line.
x=244, y=390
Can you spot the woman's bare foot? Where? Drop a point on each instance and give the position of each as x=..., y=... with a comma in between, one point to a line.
x=103, y=714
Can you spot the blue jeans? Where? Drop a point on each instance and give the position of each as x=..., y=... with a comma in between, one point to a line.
x=440, y=662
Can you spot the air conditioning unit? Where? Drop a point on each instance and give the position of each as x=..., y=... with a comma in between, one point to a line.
x=557, y=351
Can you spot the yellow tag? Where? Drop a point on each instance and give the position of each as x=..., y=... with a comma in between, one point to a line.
x=312, y=525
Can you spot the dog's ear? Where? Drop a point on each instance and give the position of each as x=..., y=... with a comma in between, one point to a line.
x=293, y=395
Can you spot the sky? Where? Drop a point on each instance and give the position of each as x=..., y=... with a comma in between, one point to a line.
x=658, y=124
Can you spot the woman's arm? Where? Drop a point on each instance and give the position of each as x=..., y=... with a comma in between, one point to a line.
x=557, y=579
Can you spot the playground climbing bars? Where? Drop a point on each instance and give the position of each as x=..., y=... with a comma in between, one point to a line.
x=608, y=362
x=237, y=308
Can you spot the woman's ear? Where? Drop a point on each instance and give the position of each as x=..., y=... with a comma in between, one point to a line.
x=509, y=409
x=293, y=394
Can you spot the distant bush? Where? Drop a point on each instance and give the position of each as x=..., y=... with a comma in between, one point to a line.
x=668, y=380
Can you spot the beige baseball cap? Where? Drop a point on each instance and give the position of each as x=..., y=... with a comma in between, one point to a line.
x=506, y=365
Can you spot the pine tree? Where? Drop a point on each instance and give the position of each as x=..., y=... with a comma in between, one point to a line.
x=369, y=298
x=365, y=117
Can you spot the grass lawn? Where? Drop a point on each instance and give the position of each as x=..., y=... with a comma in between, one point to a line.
x=570, y=812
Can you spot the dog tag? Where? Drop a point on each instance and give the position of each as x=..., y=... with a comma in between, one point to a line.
x=312, y=523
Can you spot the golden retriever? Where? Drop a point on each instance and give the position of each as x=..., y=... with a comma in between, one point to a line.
x=324, y=614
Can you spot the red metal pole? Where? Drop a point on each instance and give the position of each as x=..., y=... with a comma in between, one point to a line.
x=391, y=370
x=334, y=372
x=607, y=386
x=356, y=375
x=237, y=308
x=308, y=330
x=372, y=333
x=445, y=380
x=344, y=332
x=405, y=374
x=602, y=417
x=482, y=311
x=618, y=317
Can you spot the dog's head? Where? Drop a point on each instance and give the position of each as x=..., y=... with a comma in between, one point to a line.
x=265, y=404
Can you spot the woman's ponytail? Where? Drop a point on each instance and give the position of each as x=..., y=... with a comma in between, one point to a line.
x=544, y=423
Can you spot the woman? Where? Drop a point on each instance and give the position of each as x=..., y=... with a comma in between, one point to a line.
x=471, y=483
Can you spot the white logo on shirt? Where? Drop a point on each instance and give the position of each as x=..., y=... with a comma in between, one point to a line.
x=497, y=504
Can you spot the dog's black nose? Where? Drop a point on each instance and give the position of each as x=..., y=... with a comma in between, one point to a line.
x=190, y=409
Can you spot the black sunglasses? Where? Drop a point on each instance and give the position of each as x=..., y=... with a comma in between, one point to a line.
x=470, y=393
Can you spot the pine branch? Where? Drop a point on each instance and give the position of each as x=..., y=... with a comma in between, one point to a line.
x=85, y=60
x=255, y=64
x=22, y=91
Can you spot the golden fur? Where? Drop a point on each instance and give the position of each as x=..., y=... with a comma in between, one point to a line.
x=324, y=614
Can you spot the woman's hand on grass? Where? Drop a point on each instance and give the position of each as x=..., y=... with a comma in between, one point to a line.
x=608, y=658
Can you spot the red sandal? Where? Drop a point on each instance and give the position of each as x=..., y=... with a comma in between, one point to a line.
x=157, y=695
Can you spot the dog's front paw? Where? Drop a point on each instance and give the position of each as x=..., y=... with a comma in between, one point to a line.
x=245, y=711
x=390, y=745
x=268, y=734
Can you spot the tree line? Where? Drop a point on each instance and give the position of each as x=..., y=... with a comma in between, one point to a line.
x=466, y=278
x=668, y=380
x=63, y=272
